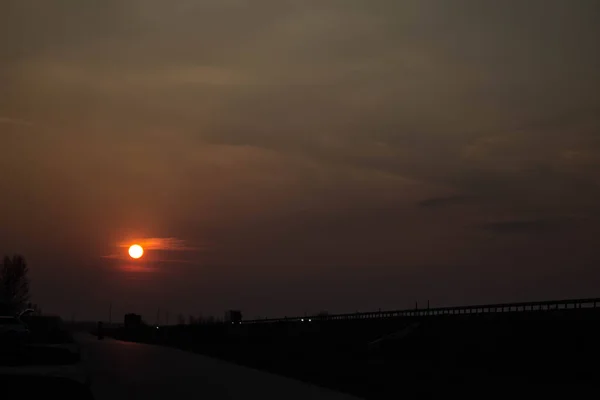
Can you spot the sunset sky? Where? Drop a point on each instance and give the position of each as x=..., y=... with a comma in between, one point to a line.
x=287, y=156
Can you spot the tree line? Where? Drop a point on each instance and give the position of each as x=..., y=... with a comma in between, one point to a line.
x=14, y=285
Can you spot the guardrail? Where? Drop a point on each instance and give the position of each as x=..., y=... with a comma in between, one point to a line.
x=420, y=312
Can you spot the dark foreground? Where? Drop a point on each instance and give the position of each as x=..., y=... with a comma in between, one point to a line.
x=124, y=370
x=535, y=353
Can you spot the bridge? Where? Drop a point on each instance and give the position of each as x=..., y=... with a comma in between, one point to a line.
x=424, y=312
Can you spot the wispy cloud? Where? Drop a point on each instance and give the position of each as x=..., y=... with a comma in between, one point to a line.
x=161, y=245
x=157, y=243
x=15, y=121
x=446, y=201
x=522, y=226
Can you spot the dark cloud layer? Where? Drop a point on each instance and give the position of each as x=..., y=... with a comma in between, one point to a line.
x=535, y=226
x=344, y=145
x=447, y=201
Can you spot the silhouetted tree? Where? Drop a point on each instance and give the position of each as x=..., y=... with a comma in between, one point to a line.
x=14, y=283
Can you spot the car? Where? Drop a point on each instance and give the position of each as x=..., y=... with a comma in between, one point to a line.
x=12, y=328
x=49, y=361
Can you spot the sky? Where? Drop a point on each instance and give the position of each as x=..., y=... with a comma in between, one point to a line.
x=285, y=157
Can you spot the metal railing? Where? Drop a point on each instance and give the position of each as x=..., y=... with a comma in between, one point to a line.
x=421, y=312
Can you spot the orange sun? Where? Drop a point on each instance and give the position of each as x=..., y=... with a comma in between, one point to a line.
x=136, y=251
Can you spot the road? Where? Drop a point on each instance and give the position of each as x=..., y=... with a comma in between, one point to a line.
x=124, y=370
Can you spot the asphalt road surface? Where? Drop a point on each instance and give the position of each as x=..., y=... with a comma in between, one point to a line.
x=124, y=370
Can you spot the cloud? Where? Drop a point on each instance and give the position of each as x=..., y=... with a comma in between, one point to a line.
x=446, y=201
x=15, y=121
x=155, y=248
x=322, y=126
x=157, y=243
x=522, y=226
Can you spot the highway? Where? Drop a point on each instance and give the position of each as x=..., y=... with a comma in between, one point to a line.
x=123, y=370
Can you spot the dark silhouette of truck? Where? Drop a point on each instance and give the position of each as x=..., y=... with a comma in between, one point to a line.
x=233, y=316
x=132, y=321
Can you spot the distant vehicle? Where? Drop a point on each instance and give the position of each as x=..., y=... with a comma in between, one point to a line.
x=132, y=321
x=233, y=316
x=13, y=328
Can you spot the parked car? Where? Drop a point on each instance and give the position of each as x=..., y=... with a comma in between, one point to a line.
x=12, y=328
x=48, y=362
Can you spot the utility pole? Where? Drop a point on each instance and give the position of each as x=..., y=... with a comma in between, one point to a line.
x=157, y=316
x=110, y=313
